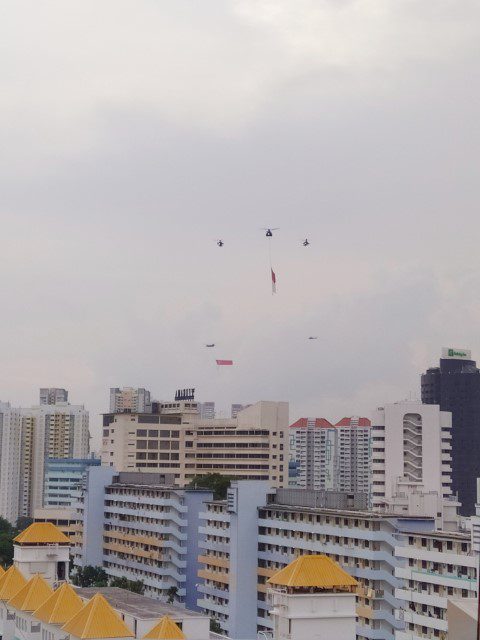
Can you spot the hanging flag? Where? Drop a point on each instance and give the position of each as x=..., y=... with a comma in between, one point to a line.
x=274, y=281
x=224, y=362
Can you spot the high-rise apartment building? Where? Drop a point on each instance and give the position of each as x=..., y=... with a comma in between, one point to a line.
x=236, y=408
x=406, y=569
x=455, y=387
x=144, y=528
x=130, y=400
x=53, y=395
x=206, y=410
x=331, y=456
x=14, y=451
x=29, y=437
x=252, y=446
x=411, y=470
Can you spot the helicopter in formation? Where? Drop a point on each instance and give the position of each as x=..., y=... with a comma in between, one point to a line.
x=220, y=243
x=306, y=242
x=269, y=231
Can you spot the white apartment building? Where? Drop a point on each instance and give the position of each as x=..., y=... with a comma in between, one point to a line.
x=28, y=438
x=332, y=456
x=411, y=470
x=53, y=395
x=12, y=462
x=130, y=400
x=206, y=410
x=236, y=408
x=405, y=569
x=253, y=446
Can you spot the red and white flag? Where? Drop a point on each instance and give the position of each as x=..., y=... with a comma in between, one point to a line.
x=224, y=362
x=274, y=281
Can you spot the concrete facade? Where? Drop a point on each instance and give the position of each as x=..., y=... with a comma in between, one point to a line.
x=139, y=528
x=411, y=461
x=253, y=446
x=405, y=569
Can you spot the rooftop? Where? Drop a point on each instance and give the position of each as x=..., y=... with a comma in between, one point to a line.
x=138, y=606
x=313, y=571
x=42, y=533
x=60, y=606
x=326, y=424
x=31, y=595
x=98, y=620
x=11, y=582
x=166, y=629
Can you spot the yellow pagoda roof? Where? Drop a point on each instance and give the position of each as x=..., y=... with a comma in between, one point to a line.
x=313, y=571
x=2, y=571
x=97, y=620
x=41, y=533
x=11, y=582
x=166, y=629
x=60, y=607
x=32, y=594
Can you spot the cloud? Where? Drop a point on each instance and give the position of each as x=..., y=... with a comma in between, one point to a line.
x=137, y=133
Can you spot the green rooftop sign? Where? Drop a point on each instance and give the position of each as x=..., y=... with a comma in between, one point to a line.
x=456, y=353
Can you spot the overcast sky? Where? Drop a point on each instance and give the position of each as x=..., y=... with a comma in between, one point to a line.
x=134, y=133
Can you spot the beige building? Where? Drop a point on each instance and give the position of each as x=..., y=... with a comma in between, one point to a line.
x=252, y=446
x=63, y=518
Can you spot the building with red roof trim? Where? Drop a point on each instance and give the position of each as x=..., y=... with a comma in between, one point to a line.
x=331, y=456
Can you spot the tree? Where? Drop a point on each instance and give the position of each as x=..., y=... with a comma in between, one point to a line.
x=172, y=594
x=89, y=576
x=7, y=533
x=214, y=481
x=23, y=522
x=136, y=586
x=215, y=626
x=5, y=526
x=6, y=549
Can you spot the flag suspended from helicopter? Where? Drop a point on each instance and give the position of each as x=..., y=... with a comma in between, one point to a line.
x=222, y=363
x=274, y=281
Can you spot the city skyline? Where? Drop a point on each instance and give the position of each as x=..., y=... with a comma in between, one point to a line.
x=393, y=393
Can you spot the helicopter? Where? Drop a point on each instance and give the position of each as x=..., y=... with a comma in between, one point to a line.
x=209, y=346
x=220, y=243
x=306, y=242
x=269, y=233
x=313, y=337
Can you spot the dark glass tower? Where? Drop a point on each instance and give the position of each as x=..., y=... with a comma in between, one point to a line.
x=455, y=386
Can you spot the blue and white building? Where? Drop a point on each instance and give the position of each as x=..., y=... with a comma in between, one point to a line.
x=63, y=477
x=406, y=569
x=139, y=526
